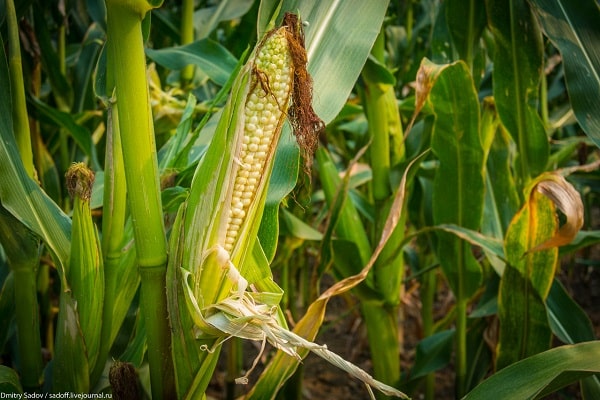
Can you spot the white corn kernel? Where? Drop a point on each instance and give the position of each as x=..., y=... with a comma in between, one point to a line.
x=265, y=106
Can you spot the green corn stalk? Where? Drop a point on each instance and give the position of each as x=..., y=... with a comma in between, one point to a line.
x=126, y=65
x=227, y=284
x=20, y=117
x=187, y=36
x=386, y=150
x=21, y=247
x=20, y=244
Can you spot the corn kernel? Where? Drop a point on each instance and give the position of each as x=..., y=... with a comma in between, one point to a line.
x=265, y=107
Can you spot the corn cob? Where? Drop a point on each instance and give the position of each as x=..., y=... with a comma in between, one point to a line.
x=265, y=109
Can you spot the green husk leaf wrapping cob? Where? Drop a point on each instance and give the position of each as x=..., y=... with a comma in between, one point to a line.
x=86, y=272
x=225, y=289
x=78, y=329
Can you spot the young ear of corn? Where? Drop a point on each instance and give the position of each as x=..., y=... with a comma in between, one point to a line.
x=214, y=239
x=81, y=302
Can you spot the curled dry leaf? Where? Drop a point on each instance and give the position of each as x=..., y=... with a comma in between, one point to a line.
x=568, y=201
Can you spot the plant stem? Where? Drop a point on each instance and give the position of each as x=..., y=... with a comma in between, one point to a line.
x=20, y=117
x=26, y=310
x=128, y=64
x=470, y=35
x=234, y=366
x=20, y=246
x=461, y=347
x=382, y=332
x=21, y=249
x=383, y=325
x=113, y=222
x=187, y=36
x=427, y=300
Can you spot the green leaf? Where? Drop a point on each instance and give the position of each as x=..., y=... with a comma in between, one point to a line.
x=517, y=70
x=20, y=195
x=466, y=20
x=206, y=19
x=433, y=353
x=567, y=320
x=61, y=89
x=86, y=63
x=283, y=180
x=9, y=381
x=188, y=358
x=541, y=374
x=7, y=307
x=344, y=218
x=336, y=56
x=70, y=368
x=209, y=56
x=502, y=198
x=458, y=187
x=80, y=135
x=572, y=26
x=294, y=226
x=527, y=278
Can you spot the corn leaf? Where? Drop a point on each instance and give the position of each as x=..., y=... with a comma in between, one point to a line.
x=70, y=368
x=527, y=278
x=186, y=349
x=283, y=180
x=433, y=353
x=572, y=26
x=502, y=199
x=80, y=135
x=344, y=217
x=206, y=19
x=458, y=186
x=209, y=56
x=21, y=196
x=61, y=89
x=517, y=68
x=542, y=374
x=9, y=381
x=567, y=319
x=466, y=22
x=7, y=306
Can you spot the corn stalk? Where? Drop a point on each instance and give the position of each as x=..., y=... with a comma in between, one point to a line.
x=127, y=65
